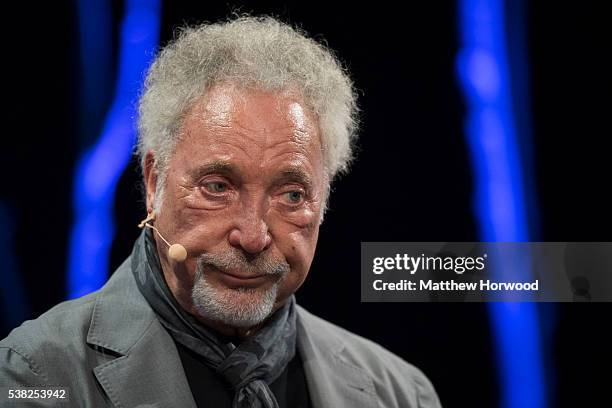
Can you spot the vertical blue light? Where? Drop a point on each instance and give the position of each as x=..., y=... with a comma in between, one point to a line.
x=500, y=195
x=96, y=65
x=100, y=168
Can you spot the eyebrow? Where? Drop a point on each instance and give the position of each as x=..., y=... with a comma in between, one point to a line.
x=217, y=166
x=295, y=174
x=291, y=173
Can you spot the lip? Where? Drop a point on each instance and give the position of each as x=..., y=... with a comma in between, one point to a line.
x=231, y=278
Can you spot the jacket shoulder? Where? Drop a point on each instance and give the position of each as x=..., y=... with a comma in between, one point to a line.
x=393, y=377
x=37, y=346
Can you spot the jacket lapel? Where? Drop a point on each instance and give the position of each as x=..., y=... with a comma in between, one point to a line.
x=332, y=381
x=147, y=371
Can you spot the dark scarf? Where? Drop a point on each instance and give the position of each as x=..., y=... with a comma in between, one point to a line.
x=248, y=368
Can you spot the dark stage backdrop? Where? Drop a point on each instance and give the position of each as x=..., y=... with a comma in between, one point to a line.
x=412, y=180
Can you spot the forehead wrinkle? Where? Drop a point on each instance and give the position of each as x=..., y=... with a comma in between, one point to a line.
x=266, y=133
x=252, y=147
x=238, y=146
x=296, y=160
x=264, y=155
x=244, y=131
x=267, y=141
x=286, y=147
x=285, y=123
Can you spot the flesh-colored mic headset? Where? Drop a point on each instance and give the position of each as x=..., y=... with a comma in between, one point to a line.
x=176, y=252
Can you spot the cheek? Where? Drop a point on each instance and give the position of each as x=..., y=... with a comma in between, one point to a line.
x=198, y=230
x=304, y=218
x=298, y=247
x=202, y=231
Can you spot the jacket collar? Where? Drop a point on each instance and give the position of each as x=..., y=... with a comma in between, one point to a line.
x=120, y=315
x=147, y=370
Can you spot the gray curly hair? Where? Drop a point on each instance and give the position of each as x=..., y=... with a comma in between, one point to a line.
x=249, y=51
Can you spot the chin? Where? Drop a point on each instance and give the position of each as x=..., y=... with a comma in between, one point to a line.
x=236, y=307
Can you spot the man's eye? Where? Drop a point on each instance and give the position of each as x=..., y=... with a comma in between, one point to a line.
x=216, y=187
x=294, y=197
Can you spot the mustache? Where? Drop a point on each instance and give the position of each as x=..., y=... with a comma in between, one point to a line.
x=234, y=259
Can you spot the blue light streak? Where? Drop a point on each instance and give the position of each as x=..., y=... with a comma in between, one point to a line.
x=96, y=65
x=100, y=168
x=500, y=197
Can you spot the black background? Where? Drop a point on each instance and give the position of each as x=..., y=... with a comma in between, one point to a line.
x=412, y=180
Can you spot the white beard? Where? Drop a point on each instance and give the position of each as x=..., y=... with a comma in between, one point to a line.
x=239, y=307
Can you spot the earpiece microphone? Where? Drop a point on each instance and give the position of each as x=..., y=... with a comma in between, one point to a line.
x=176, y=252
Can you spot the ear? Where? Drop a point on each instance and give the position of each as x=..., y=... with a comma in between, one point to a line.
x=150, y=179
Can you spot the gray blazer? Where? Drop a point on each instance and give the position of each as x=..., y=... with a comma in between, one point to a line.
x=109, y=349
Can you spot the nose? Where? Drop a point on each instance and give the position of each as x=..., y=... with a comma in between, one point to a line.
x=250, y=233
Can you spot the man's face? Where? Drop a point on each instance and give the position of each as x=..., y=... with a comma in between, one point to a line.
x=244, y=193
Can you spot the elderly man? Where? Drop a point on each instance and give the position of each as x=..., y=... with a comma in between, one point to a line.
x=243, y=126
